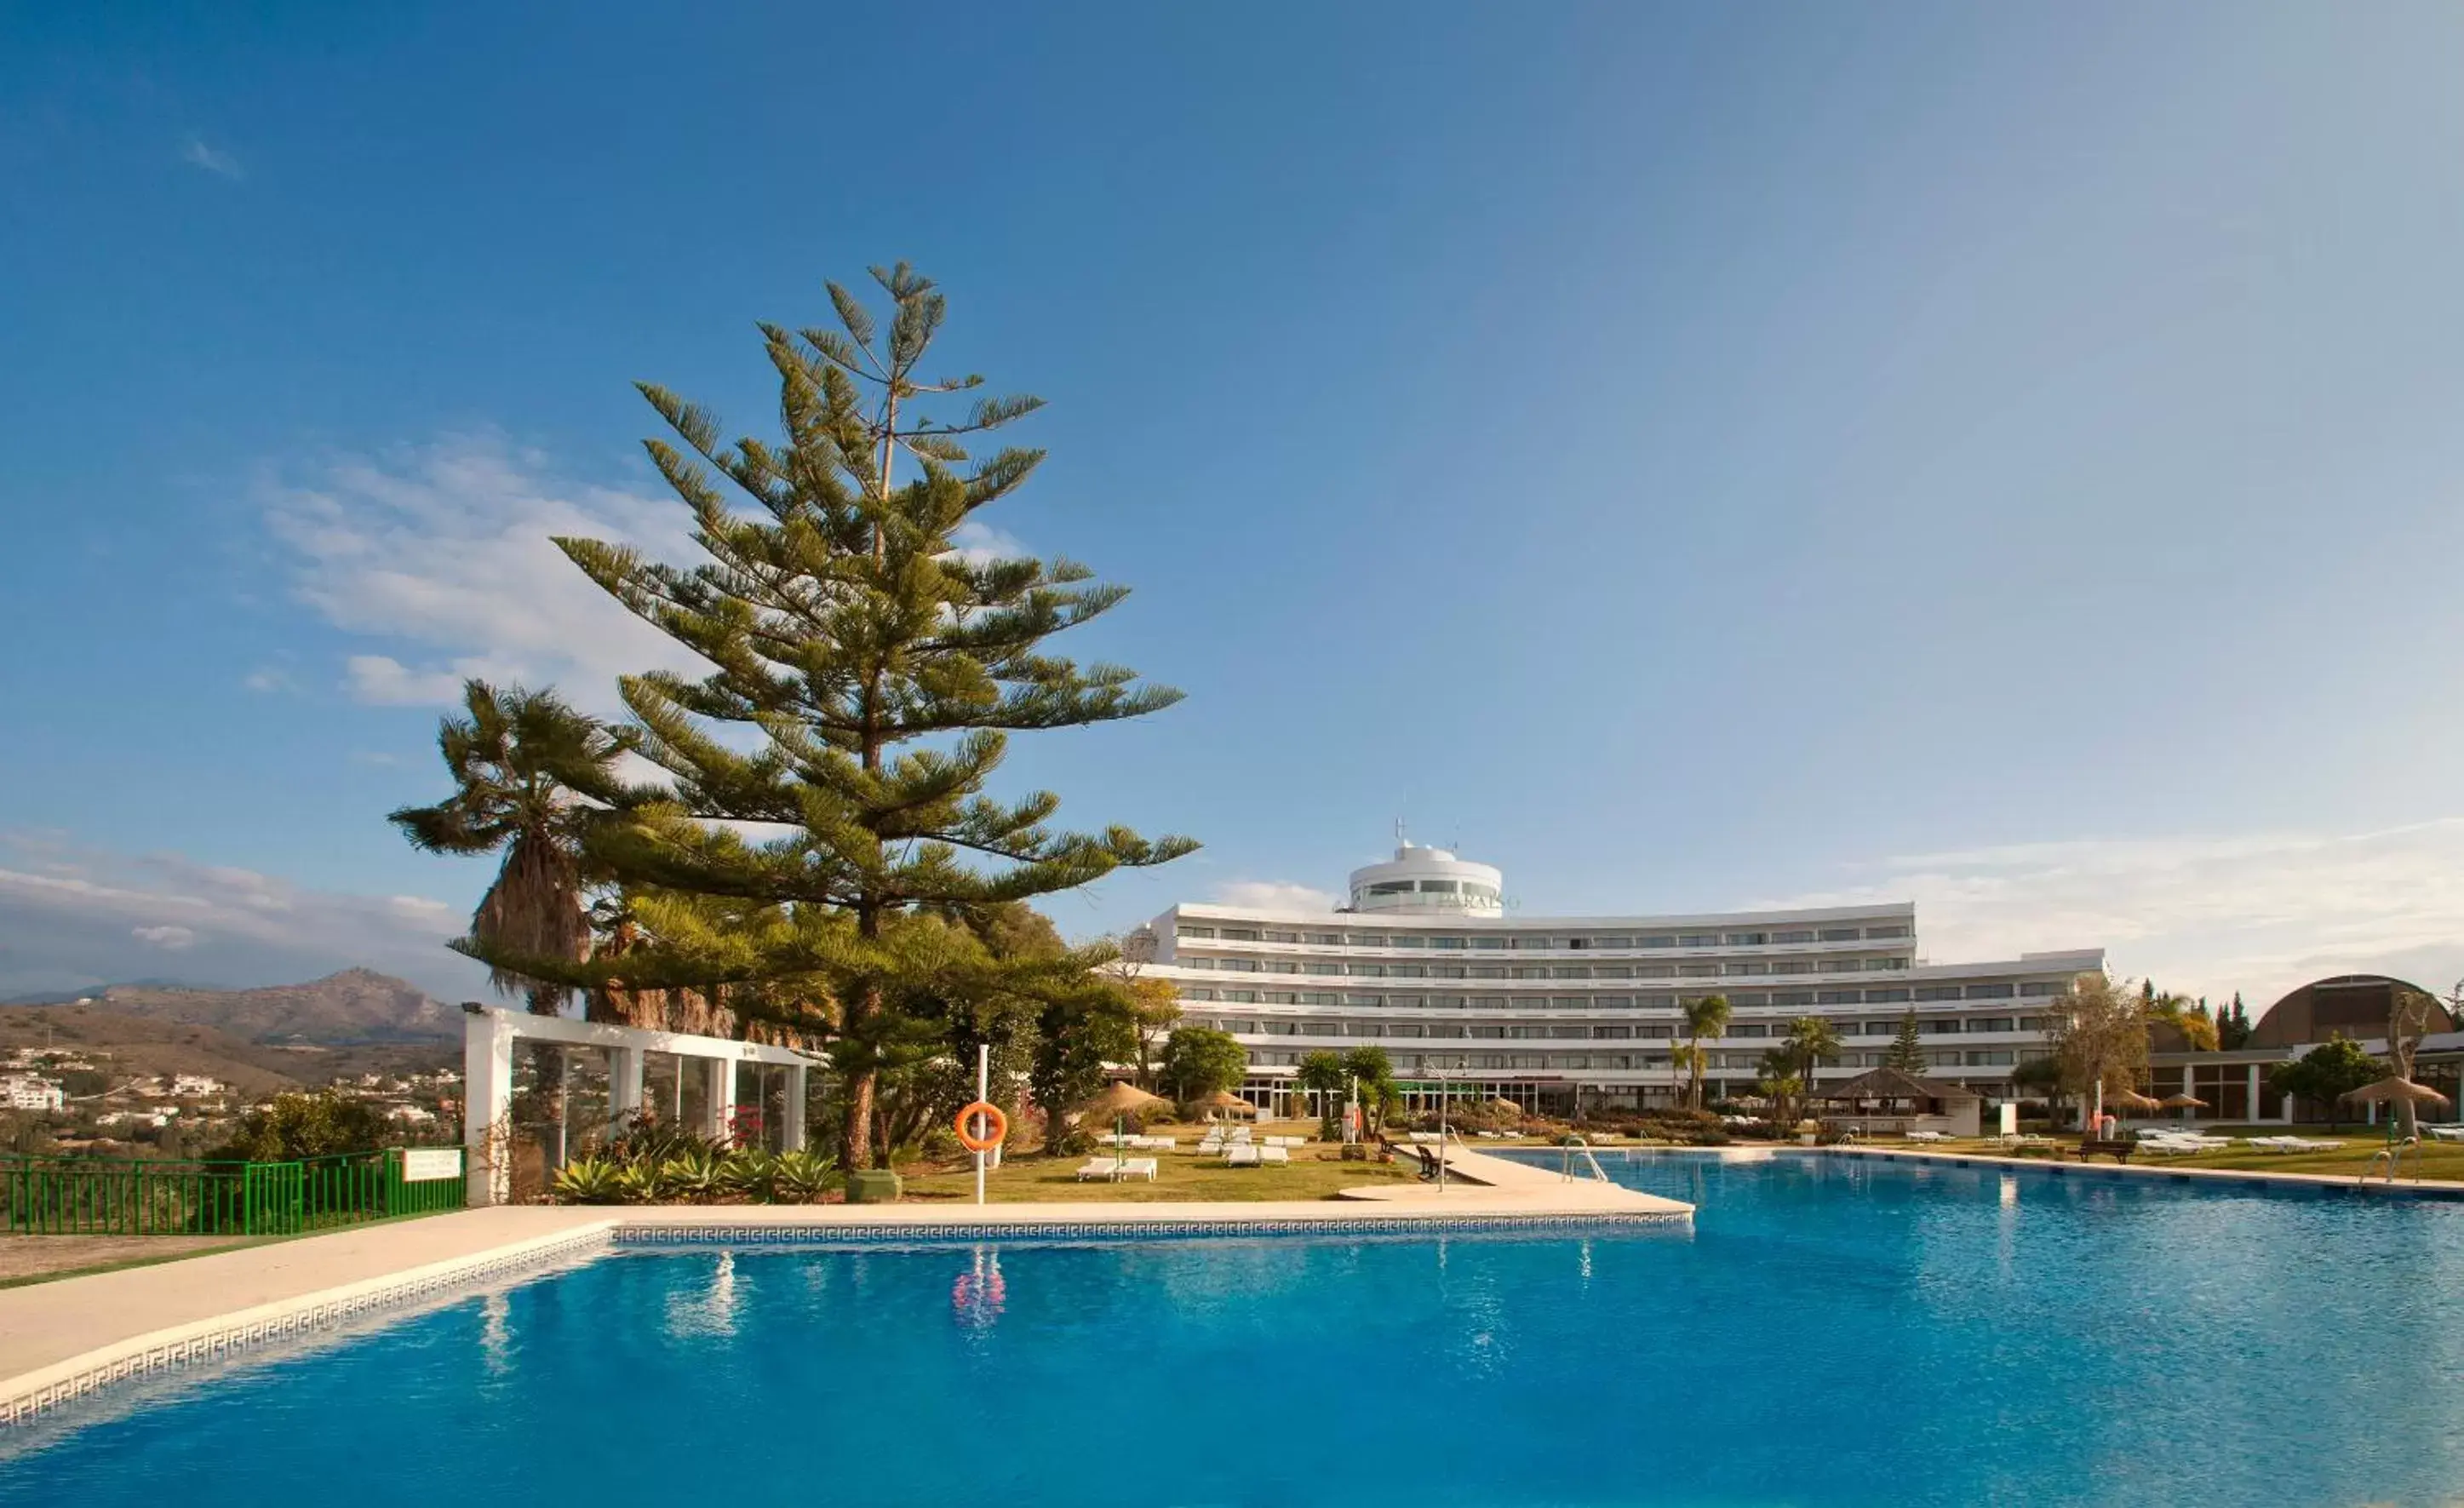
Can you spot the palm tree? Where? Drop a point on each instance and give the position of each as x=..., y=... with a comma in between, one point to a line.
x=1685, y=1059
x=1709, y=1017
x=1323, y=1073
x=531, y=776
x=521, y=763
x=1809, y=1040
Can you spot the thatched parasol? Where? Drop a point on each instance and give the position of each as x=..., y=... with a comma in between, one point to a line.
x=1506, y=1106
x=2132, y=1100
x=1891, y=1083
x=2182, y=1102
x=1123, y=1099
x=1225, y=1100
x=2392, y=1088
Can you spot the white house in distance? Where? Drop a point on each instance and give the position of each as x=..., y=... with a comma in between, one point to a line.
x=1426, y=962
x=26, y=1092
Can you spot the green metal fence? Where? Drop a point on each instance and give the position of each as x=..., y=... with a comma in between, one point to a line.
x=97, y=1196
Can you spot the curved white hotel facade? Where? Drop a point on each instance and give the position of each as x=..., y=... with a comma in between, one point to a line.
x=1427, y=964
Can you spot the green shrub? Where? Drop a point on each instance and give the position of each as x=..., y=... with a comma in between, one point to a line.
x=802, y=1177
x=691, y=1176
x=752, y=1173
x=589, y=1181
x=641, y=1184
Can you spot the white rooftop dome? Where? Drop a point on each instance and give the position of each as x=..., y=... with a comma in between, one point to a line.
x=1428, y=880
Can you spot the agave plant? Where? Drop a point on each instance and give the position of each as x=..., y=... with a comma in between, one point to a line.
x=751, y=1172
x=800, y=1177
x=590, y=1180
x=692, y=1176
x=640, y=1184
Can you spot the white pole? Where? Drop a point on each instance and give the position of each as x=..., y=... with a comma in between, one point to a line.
x=984, y=1088
x=1442, y=1132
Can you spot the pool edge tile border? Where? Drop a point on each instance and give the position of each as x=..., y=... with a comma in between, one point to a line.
x=27, y=1397
x=953, y=1233
x=2281, y=1182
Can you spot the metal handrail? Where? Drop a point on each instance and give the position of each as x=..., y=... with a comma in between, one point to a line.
x=1566, y=1159
x=2394, y=1155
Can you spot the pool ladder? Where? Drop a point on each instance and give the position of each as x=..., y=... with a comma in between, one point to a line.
x=2393, y=1156
x=1566, y=1151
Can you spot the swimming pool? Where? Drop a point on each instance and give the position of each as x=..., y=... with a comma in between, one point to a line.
x=1829, y=1332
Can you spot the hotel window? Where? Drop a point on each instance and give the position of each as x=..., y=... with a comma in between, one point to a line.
x=1887, y=963
x=1440, y=887
x=1250, y=1027
x=1198, y=994
x=1197, y=962
x=1569, y=1061
x=1448, y=1029
x=1453, y=942
x=1656, y=971
x=1991, y=1024
x=1699, y=970
x=1446, y=971
x=1839, y=966
x=1241, y=997
x=1745, y=998
x=1405, y=1029
x=1576, y=972
x=1612, y=1002
x=1654, y=1060
x=1321, y=1029
x=1886, y=932
x=1317, y=998
x=1367, y=971
x=1839, y=934
x=1991, y=991
x=1528, y=1030
x=1993, y=1058
x=1365, y=1029
x=2041, y=987
x=1579, y=942
x=2034, y=1023
x=1239, y=965
x=1571, y=1031
x=1488, y=943
x=1408, y=972
x=1698, y=939
x=1526, y=1060
x=1368, y=1001
x=1282, y=966
x=1327, y=938
x=1937, y=991
x=1612, y=1032
x=1655, y=1030
x=1747, y=939
x=1882, y=997
x=1401, y=940
x=1240, y=934
x=1938, y=1028
x=1570, y=1003
x=1661, y=941
x=1657, y=1002
x=1488, y=1002
x=1280, y=997
x=1487, y=1028
x=1792, y=997
x=1837, y=997
x=1611, y=942
x=1362, y=940
x=1792, y=966
x=1531, y=973
x=1613, y=971
x=1751, y=966
x=1197, y=932
x=1792, y=937
x=1281, y=1027
x=1528, y=943
x=1488, y=971
x=1751, y=1030
x=1282, y=937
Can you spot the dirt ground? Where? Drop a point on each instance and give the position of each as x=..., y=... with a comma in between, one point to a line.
x=23, y=1256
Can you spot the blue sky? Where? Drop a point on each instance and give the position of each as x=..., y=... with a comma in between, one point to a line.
x=1690, y=456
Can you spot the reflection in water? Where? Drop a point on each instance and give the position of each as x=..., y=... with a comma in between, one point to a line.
x=2006, y=1245
x=496, y=1336
x=977, y=1297
x=714, y=1311
x=1586, y=1248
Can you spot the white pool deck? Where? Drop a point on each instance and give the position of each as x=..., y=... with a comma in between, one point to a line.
x=63, y=1339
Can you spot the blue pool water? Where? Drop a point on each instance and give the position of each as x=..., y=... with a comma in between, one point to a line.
x=1829, y=1333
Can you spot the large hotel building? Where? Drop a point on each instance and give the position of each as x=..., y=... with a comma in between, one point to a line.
x=1427, y=964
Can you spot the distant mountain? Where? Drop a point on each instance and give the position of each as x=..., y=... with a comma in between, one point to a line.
x=141, y=1046
x=356, y=1007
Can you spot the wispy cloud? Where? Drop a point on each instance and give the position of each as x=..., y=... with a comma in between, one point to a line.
x=1275, y=894
x=267, y=680
x=2257, y=913
x=214, y=160
x=82, y=913
x=444, y=551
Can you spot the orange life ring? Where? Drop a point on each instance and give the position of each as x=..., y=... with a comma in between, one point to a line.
x=999, y=1126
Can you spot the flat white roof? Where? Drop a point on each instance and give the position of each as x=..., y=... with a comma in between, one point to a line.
x=1894, y=910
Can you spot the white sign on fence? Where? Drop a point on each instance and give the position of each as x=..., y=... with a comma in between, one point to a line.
x=422, y=1164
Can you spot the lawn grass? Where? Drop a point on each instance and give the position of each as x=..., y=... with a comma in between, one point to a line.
x=1316, y=1171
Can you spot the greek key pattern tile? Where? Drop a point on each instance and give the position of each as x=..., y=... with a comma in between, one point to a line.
x=919, y=1234
x=220, y=1342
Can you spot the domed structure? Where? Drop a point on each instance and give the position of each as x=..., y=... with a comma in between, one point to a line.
x=1428, y=880
x=2356, y=1005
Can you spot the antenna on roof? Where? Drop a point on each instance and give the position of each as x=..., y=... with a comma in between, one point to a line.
x=1400, y=841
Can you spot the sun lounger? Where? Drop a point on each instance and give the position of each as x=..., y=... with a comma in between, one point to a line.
x=1244, y=1156
x=2446, y=1132
x=1928, y=1136
x=1098, y=1167
x=1422, y=1135
x=1138, y=1167
x=1274, y=1154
